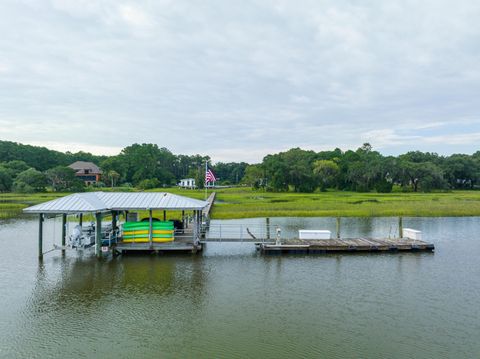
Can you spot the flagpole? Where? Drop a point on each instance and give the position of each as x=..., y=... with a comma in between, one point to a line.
x=206, y=169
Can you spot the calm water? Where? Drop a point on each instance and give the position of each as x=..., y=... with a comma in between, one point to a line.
x=232, y=302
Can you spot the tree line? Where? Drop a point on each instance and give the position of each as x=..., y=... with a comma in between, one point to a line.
x=25, y=168
x=363, y=170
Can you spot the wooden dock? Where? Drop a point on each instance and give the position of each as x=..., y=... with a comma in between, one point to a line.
x=348, y=245
x=208, y=208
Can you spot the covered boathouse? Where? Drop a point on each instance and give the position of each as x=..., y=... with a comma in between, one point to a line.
x=133, y=233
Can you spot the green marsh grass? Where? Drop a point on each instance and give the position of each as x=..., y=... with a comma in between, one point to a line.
x=247, y=203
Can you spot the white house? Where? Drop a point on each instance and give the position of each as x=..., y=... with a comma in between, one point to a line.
x=187, y=183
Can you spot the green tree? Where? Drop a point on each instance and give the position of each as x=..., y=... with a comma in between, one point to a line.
x=254, y=176
x=116, y=164
x=148, y=183
x=327, y=171
x=30, y=180
x=6, y=180
x=63, y=178
x=15, y=167
x=423, y=176
x=461, y=171
x=113, y=176
x=147, y=161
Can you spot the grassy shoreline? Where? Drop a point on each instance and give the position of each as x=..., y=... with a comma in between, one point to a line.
x=246, y=203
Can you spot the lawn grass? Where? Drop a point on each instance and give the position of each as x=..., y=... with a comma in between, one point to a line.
x=247, y=203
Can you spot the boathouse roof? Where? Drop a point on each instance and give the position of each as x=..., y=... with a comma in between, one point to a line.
x=117, y=201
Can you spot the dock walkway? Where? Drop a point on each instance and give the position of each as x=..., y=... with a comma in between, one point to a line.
x=347, y=245
x=207, y=209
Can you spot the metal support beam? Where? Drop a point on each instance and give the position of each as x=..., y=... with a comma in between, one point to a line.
x=40, y=236
x=64, y=231
x=98, y=234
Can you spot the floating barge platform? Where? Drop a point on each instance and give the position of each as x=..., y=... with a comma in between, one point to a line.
x=347, y=245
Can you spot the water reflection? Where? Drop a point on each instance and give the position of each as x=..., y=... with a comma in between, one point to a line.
x=232, y=302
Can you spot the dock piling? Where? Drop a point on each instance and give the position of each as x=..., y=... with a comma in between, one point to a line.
x=150, y=226
x=64, y=231
x=268, y=229
x=338, y=227
x=40, y=236
x=98, y=234
x=400, y=227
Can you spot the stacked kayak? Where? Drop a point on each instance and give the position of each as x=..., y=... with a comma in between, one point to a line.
x=139, y=232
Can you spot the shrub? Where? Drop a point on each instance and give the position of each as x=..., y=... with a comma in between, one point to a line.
x=148, y=183
x=383, y=186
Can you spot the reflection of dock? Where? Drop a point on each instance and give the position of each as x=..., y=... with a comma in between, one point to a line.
x=348, y=245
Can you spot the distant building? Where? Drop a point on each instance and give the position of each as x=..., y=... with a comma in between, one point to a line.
x=187, y=183
x=88, y=172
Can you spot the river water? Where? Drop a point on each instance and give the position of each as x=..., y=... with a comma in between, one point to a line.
x=231, y=302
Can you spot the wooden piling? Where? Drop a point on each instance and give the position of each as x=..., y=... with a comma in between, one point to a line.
x=64, y=232
x=80, y=220
x=40, y=236
x=268, y=228
x=150, y=226
x=164, y=216
x=98, y=234
x=338, y=227
x=400, y=227
x=114, y=220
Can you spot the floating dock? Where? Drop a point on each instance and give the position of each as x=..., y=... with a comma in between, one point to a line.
x=347, y=245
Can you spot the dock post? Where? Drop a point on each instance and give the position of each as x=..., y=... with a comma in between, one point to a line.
x=114, y=227
x=80, y=220
x=40, y=236
x=400, y=227
x=164, y=216
x=183, y=219
x=268, y=229
x=98, y=234
x=64, y=231
x=114, y=220
x=194, y=229
x=150, y=225
x=338, y=227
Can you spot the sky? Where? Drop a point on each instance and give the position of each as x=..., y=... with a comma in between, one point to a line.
x=238, y=80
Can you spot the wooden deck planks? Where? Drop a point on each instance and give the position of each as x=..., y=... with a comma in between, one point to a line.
x=349, y=245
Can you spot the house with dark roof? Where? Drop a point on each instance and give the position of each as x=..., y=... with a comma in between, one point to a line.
x=88, y=172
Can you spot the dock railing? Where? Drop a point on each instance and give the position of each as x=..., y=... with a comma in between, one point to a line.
x=243, y=232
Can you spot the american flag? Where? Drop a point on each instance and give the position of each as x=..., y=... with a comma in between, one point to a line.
x=209, y=176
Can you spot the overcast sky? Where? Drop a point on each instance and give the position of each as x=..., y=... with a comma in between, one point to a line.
x=240, y=79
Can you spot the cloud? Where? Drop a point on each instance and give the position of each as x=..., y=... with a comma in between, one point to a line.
x=239, y=80
x=134, y=16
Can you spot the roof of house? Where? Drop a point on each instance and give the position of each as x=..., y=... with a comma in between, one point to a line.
x=118, y=201
x=83, y=165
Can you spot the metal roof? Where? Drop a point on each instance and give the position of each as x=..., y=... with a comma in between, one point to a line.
x=120, y=201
